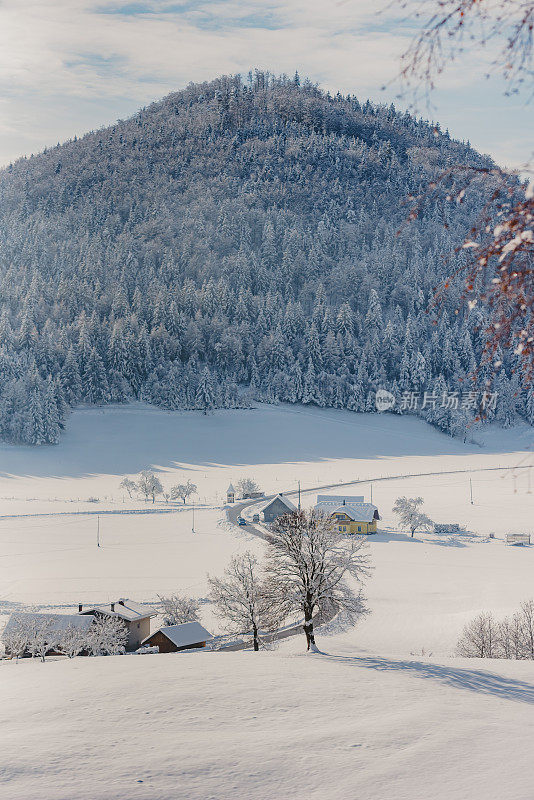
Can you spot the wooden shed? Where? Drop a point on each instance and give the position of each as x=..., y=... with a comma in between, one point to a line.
x=172, y=638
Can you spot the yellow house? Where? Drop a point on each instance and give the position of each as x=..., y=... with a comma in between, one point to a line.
x=351, y=514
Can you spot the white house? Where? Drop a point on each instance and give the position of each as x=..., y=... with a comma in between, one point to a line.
x=135, y=616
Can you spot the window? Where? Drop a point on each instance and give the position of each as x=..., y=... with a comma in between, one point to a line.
x=359, y=528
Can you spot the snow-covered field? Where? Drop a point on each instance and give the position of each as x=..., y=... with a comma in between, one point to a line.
x=372, y=719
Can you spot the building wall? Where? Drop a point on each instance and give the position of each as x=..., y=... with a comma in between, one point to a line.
x=137, y=631
x=166, y=646
x=346, y=525
x=275, y=510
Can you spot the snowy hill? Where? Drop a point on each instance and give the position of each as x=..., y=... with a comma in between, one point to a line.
x=236, y=234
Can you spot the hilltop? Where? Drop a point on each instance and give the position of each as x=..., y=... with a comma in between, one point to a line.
x=237, y=235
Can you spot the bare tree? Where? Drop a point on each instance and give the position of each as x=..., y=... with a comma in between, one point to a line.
x=309, y=566
x=129, y=485
x=149, y=484
x=107, y=636
x=527, y=628
x=242, y=598
x=499, y=272
x=407, y=510
x=247, y=486
x=183, y=491
x=41, y=637
x=17, y=638
x=447, y=26
x=72, y=640
x=479, y=638
x=178, y=609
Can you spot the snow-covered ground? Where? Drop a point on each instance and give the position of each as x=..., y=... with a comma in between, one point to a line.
x=372, y=719
x=226, y=726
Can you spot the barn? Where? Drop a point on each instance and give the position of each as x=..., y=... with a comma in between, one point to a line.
x=173, y=638
x=277, y=507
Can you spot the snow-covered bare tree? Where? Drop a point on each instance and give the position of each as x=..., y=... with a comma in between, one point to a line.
x=244, y=601
x=16, y=638
x=177, y=609
x=149, y=484
x=480, y=638
x=41, y=637
x=312, y=568
x=107, y=636
x=183, y=490
x=498, y=276
x=129, y=485
x=247, y=486
x=72, y=640
x=407, y=510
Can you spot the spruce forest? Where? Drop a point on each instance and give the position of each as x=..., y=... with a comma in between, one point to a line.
x=243, y=239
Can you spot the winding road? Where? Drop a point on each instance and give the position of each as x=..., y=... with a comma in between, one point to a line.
x=235, y=511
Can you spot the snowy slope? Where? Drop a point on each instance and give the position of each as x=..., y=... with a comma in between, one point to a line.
x=223, y=726
x=372, y=718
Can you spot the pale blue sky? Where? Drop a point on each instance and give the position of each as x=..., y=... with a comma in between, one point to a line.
x=68, y=66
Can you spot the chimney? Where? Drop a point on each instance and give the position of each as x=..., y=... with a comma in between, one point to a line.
x=343, y=501
x=122, y=601
x=79, y=607
x=113, y=606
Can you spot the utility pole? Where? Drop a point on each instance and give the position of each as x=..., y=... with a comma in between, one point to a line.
x=193, y=523
x=299, y=495
x=471, y=490
x=98, y=531
x=371, y=493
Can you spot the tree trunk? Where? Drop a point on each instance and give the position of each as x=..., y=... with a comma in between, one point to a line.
x=308, y=630
x=255, y=635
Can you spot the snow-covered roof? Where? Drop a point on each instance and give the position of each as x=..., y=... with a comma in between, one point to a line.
x=125, y=609
x=56, y=622
x=339, y=499
x=283, y=499
x=230, y=489
x=357, y=512
x=188, y=633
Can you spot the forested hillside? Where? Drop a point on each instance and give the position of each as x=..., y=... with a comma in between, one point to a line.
x=236, y=234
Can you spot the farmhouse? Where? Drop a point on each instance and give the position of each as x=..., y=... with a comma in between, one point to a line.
x=135, y=616
x=172, y=638
x=230, y=494
x=277, y=507
x=52, y=625
x=351, y=514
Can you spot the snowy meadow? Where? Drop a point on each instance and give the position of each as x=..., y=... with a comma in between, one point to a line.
x=371, y=716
